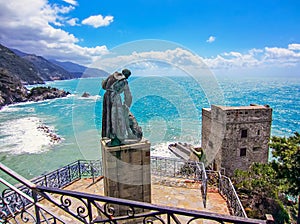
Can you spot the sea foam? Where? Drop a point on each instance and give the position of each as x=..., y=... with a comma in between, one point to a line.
x=161, y=150
x=26, y=135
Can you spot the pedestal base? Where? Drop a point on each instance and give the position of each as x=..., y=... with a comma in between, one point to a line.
x=127, y=173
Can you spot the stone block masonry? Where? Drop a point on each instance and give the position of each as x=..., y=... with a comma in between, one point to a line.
x=235, y=137
x=127, y=172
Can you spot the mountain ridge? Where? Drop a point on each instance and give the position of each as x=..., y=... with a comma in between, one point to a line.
x=16, y=71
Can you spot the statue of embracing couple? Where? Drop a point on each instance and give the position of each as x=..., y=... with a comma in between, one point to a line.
x=118, y=123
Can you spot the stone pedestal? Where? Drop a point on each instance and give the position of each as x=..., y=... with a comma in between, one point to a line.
x=127, y=173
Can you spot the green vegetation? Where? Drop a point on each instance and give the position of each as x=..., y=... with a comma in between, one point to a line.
x=274, y=187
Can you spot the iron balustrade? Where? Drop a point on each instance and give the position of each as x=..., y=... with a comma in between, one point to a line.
x=171, y=167
x=41, y=186
x=59, y=178
x=89, y=208
x=226, y=188
x=17, y=210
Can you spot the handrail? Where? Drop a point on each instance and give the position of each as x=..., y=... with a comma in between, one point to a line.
x=239, y=204
x=201, y=167
x=17, y=176
x=32, y=200
x=93, y=200
x=83, y=167
x=226, y=188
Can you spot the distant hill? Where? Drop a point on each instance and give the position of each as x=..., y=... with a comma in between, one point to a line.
x=17, y=67
x=80, y=70
x=52, y=69
x=16, y=71
x=47, y=70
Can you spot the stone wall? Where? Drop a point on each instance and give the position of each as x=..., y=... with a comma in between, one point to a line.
x=239, y=135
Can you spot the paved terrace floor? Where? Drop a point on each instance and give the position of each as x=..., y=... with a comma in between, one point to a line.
x=173, y=192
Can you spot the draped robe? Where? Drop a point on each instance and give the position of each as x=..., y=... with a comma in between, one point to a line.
x=113, y=117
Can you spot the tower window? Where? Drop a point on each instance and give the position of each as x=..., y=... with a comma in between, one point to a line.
x=244, y=133
x=243, y=152
x=258, y=132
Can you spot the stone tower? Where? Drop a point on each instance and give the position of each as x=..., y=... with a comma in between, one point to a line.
x=235, y=137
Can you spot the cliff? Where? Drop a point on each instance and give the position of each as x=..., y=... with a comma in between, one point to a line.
x=15, y=72
x=11, y=88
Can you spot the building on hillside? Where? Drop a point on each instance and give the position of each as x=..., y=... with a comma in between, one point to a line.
x=235, y=137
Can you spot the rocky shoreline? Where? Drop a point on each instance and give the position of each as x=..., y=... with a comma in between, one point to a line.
x=22, y=94
x=54, y=138
x=44, y=93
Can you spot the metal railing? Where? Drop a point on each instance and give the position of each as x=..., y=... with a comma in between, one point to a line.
x=97, y=209
x=170, y=167
x=13, y=202
x=66, y=175
x=226, y=188
x=176, y=168
x=19, y=206
x=88, y=208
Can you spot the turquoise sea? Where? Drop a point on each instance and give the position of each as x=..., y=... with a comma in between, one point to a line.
x=168, y=110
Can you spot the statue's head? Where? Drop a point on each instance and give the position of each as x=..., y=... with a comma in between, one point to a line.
x=126, y=72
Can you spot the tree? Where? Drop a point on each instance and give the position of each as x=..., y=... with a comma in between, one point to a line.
x=286, y=163
x=268, y=188
x=259, y=191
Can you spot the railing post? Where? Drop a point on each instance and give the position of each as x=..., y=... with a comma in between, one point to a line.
x=36, y=208
x=92, y=171
x=58, y=179
x=174, y=168
x=79, y=169
x=45, y=177
x=69, y=173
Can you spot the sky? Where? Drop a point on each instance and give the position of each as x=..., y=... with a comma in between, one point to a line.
x=229, y=36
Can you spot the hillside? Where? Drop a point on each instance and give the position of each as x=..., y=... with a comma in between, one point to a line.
x=79, y=70
x=47, y=70
x=15, y=72
x=17, y=67
x=56, y=70
x=11, y=88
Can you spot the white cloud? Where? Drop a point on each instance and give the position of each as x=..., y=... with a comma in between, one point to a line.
x=34, y=30
x=98, y=21
x=211, y=39
x=294, y=47
x=257, y=58
x=253, y=59
x=72, y=2
x=73, y=22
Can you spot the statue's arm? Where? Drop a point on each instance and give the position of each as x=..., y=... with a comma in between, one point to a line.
x=104, y=82
x=127, y=95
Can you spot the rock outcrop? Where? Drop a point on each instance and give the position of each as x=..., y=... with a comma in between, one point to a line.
x=44, y=93
x=85, y=94
x=11, y=88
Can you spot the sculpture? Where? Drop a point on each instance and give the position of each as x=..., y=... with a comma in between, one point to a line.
x=118, y=123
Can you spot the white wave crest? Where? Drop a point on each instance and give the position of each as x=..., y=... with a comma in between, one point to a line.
x=162, y=150
x=26, y=135
x=92, y=97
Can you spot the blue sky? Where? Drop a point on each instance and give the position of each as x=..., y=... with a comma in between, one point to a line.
x=224, y=33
